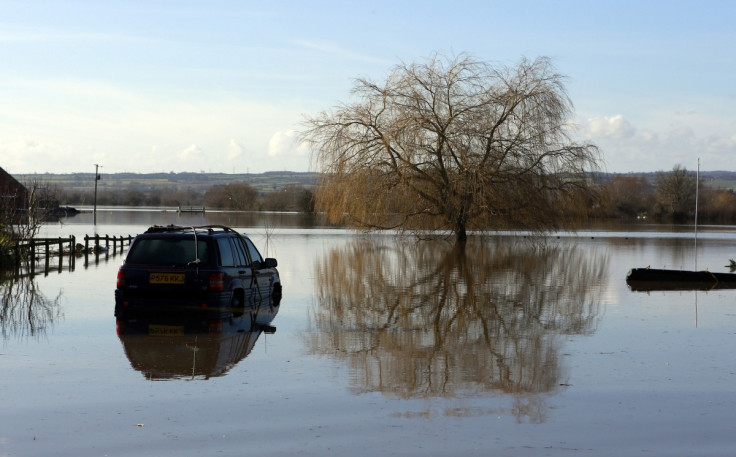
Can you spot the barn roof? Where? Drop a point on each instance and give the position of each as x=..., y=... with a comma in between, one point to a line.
x=8, y=183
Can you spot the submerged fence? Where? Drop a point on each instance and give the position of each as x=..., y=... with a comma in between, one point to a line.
x=34, y=251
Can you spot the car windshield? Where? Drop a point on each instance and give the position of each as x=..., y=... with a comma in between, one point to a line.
x=167, y=251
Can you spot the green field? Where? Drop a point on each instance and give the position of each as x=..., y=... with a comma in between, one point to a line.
x=263, y=182
x=728, y=184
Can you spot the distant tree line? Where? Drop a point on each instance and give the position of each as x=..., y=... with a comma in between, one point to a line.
x=668, y=197
x=236, y=196
x=662, y=197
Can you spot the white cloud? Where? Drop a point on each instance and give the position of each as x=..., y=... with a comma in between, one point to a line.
x=284, y=143
x=680, y=133
x=648, y=137
x=627, y=148
x=720, y=144
x=76, y=123
x=191, y=153
x=47, y=155
x=608, y=127
x=235, y=150
x=285, y=149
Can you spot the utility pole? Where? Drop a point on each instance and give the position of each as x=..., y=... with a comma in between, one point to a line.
x=697, y=186
x=97, y=178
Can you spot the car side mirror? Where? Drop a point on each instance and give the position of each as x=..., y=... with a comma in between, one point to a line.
x=267, y=263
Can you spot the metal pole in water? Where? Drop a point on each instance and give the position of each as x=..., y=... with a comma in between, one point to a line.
x=697, y=185
x=97, y=178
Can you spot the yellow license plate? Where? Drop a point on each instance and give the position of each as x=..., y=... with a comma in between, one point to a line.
x=166, y=278
x=165, y=330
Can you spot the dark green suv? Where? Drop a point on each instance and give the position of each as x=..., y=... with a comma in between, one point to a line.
x=208, y=268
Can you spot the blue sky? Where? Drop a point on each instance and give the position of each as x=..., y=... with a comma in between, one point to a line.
x=223, y=86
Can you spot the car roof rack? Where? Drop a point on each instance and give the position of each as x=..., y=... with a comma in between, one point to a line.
x=187, y=228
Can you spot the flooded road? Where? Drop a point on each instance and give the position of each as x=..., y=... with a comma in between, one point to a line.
x=384, y=346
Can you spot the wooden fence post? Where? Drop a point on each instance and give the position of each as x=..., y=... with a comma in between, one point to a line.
x=72, y=250
x=47, y=251
x=61, y=255
x=86, y=250
x=17, y=255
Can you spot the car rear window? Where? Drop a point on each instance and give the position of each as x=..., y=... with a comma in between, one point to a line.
x=167, y=251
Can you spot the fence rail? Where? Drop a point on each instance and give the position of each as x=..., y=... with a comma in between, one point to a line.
x=36, y=249
x=190, y=209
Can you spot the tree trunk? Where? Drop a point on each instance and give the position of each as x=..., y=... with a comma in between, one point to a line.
x=460, y=234
x=461, y=220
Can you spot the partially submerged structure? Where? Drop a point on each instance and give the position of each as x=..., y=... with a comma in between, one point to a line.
x=13, y=194
x=651, y=279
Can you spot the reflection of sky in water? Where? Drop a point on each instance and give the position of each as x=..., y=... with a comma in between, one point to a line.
x=646, y=380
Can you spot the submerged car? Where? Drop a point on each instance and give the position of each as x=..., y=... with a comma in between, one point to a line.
x=208, y=268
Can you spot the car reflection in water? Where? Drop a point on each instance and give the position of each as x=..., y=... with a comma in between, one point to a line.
x=164, y=346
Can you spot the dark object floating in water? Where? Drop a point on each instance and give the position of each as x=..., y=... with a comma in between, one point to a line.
x=648, y=279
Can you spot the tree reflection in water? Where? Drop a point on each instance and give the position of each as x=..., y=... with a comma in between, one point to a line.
x=427, y=319
x=24, y=310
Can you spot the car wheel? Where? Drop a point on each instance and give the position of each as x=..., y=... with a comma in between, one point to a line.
x=237, y=304
x=276, y=293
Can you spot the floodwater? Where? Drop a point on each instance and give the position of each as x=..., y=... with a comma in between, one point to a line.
x=384, y=346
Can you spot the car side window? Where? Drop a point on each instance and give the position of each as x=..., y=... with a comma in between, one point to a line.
x=254, y=254
x=239, y=250
x=226, y=253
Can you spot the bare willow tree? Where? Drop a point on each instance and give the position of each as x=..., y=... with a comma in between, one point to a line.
x=452, y=144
